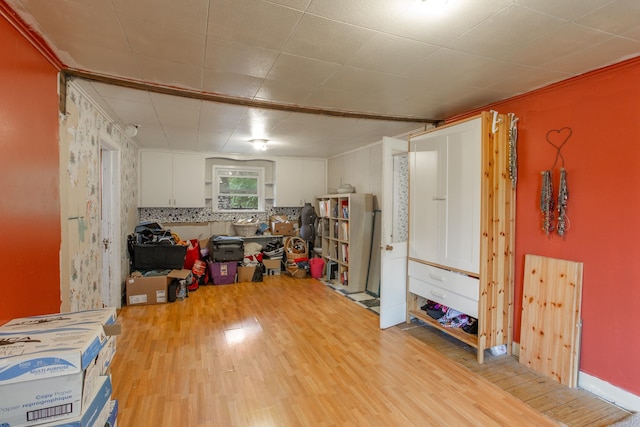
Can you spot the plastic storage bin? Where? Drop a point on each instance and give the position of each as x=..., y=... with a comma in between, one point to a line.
x=223, y=273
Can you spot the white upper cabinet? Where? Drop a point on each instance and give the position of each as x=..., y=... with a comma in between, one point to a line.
x=298, y=181
x=445, y=172
x=171, y=180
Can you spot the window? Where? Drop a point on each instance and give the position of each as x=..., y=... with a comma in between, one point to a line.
x=238, y=189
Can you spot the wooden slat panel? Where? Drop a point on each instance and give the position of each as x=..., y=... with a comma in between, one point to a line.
x=496, y=250
x=550, y=338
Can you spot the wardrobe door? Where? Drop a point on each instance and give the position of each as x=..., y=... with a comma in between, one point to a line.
x=445, y=197
x=462, y=227
x=427, y=197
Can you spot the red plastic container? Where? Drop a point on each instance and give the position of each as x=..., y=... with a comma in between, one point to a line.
x=316, y=265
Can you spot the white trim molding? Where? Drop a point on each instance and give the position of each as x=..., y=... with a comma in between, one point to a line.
x=609, y=392
x=600, y=388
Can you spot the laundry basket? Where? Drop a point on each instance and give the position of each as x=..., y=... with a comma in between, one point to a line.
x=297, y=252
x=296, y=249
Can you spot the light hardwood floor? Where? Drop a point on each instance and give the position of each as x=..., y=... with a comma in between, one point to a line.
x=293, y=352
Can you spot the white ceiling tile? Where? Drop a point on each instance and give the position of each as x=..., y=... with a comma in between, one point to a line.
x=179, y=139
x=284, y=92
x=442, y=66
x=185, y=15
x=300, y=5
x=156, y=41
x=562, y=41
x=633, y=34
x=302, y=71
x=363, y=13
x=226, y=56
x=176, y=112
x=565, y=9
x=168, y=73
x=232, y=84
x=326, y=40
x=215, y=116
x=531, y=79
x=251, y=22
x=616, y=17
x=381, y=56
x=358, y=81
x=122, y=93
x=107, y=62
x=390, y=54
x=439, y=30
x=597, y=56
x=152, y=136
x=133, y=112
x=512, y=27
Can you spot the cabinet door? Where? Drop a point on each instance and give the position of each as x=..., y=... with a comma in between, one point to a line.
x=289, y=183
x=188, y=180
x=445, y=196
x=314, y=180
x=464, y=191
x=156, y=180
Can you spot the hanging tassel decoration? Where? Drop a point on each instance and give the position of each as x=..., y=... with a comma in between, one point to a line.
x=513, y=151
x=547, y=202
x=563, y=198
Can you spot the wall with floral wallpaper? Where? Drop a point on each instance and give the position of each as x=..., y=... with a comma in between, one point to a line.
x=81, y=248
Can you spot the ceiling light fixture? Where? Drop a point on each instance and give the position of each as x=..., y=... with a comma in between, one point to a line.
x=259, y=144
x=131, y=130
x=432, y=7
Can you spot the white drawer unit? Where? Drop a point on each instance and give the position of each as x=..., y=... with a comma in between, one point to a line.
x=452, y=289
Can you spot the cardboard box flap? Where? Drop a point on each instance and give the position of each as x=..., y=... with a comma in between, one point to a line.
x=102, y=316
x=179, y=274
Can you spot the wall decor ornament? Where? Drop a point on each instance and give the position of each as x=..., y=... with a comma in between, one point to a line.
x=550, y=223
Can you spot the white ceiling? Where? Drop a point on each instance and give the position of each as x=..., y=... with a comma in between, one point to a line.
x=382, y=57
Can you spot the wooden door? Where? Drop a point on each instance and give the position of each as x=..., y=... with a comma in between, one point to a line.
x=393, y=245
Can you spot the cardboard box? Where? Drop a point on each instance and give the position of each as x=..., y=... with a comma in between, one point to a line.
x=97, y=411
x=144, y=290
x=245, y=274
x=101, y=316
x=282, y=228
x=273, y=266
x=48, y=374
x=113, y=414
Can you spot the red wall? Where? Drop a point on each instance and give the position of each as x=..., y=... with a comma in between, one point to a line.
x=602, y=160
x=29, y=175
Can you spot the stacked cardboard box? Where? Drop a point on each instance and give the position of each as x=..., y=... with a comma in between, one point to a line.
x=55, y=369
x=152, y=288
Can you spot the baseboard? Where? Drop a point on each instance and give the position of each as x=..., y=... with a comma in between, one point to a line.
x=600, y=388
x=609, y=392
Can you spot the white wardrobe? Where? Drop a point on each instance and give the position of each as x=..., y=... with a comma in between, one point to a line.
x=461, y=220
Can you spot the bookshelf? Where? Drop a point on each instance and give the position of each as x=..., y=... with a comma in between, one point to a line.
x=346, y=228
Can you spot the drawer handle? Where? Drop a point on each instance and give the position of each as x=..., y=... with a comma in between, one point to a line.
x=436, y=277
x=438, y=294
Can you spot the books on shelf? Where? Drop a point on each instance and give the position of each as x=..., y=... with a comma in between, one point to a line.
x=344, y=277
x=323, y=207
x=344, y=254
x=345, y=209
x=332, y=270
x=345, y=231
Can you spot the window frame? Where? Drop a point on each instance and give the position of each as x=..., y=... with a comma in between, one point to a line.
x=216, y=187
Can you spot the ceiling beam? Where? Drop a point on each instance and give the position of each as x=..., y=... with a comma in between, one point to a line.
x=236, y=100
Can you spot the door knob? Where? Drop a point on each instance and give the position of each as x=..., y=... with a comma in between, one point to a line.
x=388, y=248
